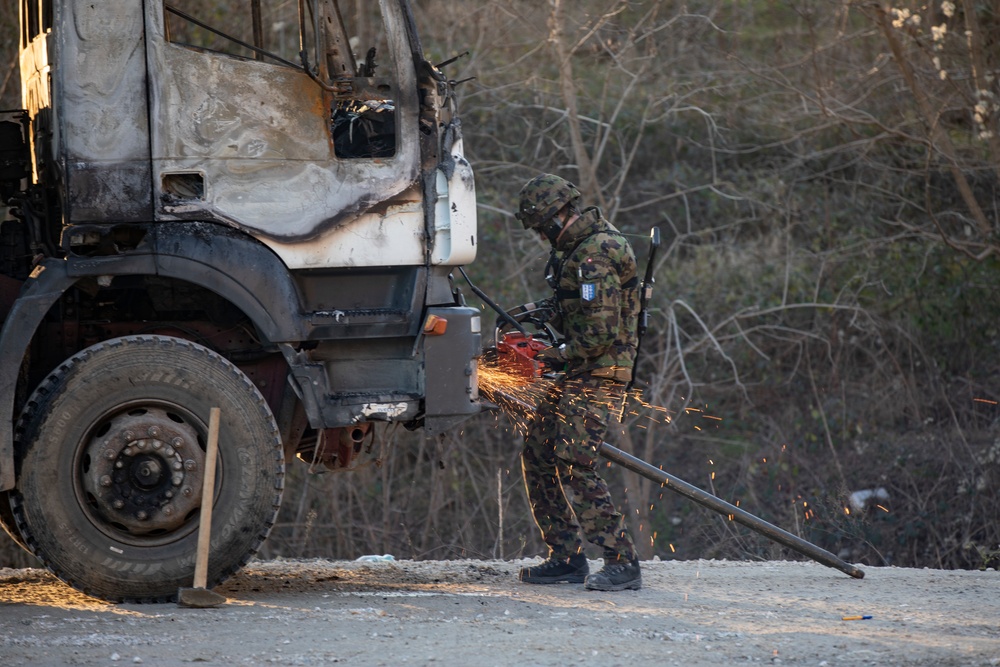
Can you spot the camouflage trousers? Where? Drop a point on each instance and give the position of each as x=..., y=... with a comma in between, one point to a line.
x=559, y=462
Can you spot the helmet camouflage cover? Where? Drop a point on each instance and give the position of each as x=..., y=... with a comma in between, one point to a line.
x=542, y=197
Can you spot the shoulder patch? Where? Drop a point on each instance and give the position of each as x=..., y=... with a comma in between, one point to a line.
x=588, y=291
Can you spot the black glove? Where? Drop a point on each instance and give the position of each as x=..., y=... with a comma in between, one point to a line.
x=553, y=357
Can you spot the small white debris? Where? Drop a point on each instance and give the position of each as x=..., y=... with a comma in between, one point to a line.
x=859, y=499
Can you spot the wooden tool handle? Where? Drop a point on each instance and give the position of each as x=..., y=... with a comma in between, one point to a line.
x=207, y=499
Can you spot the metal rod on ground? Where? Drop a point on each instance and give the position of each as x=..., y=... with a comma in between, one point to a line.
x=706, y=499
x=200, y=596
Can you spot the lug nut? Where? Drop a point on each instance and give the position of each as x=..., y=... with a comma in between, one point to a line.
x=177, y=479
x=141, y=516
x=186, y=491
x=128, y=436
x=168, y=510
x=109, y=454
x=154, y=431
x=177, y=442
x=118, y=504
x=106, y=480
x=190, y=465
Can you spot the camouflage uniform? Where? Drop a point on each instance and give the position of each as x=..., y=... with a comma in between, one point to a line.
x=596, y=298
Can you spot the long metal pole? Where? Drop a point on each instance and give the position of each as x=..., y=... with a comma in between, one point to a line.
x=736, y=514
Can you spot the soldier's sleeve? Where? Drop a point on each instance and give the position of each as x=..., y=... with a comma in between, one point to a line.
x=600, y=296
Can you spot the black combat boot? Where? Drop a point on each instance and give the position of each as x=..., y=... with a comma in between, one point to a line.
x=571, y=570
x=616, y=575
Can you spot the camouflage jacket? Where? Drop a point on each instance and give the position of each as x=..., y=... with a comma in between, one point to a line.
x=597, y=297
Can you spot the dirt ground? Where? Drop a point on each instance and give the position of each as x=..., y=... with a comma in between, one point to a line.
x=477, y=613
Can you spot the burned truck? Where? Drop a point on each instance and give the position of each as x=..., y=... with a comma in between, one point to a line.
x=257, y=209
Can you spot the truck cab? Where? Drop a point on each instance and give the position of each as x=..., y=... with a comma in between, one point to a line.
x=257, y=209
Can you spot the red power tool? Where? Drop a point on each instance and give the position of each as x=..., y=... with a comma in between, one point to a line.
x=515, y=353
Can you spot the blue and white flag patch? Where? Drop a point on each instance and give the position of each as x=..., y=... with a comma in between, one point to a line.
x=588, y=291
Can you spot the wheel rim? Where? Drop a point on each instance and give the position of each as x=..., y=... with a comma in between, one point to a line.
x=140, y=473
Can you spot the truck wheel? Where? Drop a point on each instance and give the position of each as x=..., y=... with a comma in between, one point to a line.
x=111, y=453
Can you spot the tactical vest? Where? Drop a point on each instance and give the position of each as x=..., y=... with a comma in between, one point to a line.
x=599, y=318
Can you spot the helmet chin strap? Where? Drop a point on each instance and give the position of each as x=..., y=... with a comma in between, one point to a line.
x=552, y=228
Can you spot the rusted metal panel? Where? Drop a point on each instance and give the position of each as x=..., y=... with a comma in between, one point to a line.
x=260, y=135
x=147, y=129
x=100, y=110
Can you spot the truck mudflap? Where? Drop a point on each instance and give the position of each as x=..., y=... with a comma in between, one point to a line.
x=451, y=355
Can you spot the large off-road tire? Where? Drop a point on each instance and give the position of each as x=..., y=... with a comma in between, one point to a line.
x=111, y=454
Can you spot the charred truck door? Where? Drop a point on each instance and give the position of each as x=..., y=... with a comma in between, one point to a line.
x=257, y=209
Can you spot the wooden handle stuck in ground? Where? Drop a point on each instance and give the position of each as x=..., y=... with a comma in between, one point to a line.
x=207, y=500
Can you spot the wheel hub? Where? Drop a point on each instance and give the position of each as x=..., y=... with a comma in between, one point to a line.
x=145, y=471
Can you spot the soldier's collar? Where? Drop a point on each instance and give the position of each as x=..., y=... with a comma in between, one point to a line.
x=587, y=225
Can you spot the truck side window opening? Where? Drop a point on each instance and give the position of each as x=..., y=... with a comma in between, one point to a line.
x=205, y=27
x=363, y=122
x=364, y=129
x=363, y=117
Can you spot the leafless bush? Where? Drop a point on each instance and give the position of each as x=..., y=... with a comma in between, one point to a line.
x=825, y=314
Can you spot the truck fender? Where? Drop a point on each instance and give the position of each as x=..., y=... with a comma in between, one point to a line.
x=223, y=260
x=234, y=266
x=43, y=288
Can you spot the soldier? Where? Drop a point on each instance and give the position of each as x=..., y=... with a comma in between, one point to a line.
x=595, y=306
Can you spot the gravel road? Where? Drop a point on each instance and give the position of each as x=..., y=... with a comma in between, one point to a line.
x=465, y=613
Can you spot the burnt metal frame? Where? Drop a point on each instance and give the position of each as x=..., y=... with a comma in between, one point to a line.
x=259, y=53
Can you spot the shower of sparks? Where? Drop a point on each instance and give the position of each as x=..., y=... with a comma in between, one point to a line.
x=518, y=398
x=512, y=392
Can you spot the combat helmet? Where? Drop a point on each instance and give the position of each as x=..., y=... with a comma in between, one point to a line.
x=541, y=198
